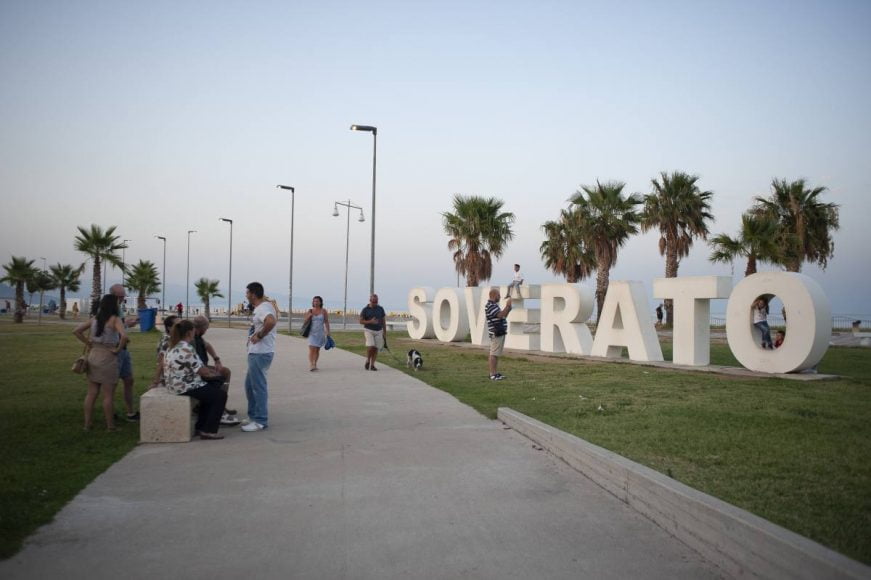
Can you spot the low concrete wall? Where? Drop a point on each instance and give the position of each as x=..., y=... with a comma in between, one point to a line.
x=742, y=544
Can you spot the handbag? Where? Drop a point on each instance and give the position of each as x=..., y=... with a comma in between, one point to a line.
x=330, y=343
x=306, y=328
x=80, y=367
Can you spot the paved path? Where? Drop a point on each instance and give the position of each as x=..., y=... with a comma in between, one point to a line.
x=360, y=475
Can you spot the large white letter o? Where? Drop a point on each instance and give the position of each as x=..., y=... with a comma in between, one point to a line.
x=809, y=320
x=449, y=318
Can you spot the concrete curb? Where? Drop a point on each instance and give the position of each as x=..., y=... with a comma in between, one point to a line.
x=740, y=543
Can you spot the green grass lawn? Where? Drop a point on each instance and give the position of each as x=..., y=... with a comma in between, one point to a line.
x=795, y=453
x=46, y=457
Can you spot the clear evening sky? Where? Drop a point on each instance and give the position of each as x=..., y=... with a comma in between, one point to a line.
x=162, y=117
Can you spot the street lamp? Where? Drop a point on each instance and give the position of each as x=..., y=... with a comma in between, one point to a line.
x=374, y=131
x=290, y=277
x=187, y=285
x=230, y=284
x=124, y=261
x=41, y=292
x=348, y=205
x=163, y=275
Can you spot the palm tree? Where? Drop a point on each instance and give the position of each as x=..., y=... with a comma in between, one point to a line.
x=757, y=241
x=18, y=272
x=806, y=224
x=565, y=251
x=479, y=231
x=40, y=281
x=609, y=219
x=143, y=279
x=206, y=289
x=100, y=246
x=681, y=211
x=66, y=277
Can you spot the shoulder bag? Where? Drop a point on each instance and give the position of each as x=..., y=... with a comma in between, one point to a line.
x=80, y=367
x=306, y=328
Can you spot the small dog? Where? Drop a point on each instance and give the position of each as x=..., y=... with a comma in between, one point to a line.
x=414, y=360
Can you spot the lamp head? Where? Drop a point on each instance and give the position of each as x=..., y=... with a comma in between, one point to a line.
x=292, y=190
x=369, y=128
x=335, y=211
x=229, y=221
x=361, y=218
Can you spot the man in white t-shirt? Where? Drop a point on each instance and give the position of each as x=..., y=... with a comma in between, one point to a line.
x=261, y=349
x=518, y=280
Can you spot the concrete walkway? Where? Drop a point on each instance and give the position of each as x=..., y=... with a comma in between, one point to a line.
x=360, y=475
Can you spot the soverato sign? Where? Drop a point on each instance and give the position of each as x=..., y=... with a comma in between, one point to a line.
x=559, y=322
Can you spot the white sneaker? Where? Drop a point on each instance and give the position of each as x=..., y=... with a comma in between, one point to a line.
x=252, y=426
x=228, y=419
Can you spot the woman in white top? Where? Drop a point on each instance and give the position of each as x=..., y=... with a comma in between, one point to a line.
x=760, y=321
x=320, y=330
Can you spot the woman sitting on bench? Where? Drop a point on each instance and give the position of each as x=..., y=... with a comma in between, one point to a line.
x=184, y=374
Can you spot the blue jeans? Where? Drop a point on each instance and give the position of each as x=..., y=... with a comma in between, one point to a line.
x=766, y=333
x=255, y=386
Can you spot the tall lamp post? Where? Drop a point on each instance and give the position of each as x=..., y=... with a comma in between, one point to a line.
x=348, y=205
x=374, y=131
x=163, y=275
x=290, y=277
x=230, y=284
x=124, y=261
x=41, y=291
x=187, y=285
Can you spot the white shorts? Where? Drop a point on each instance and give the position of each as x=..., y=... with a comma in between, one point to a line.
x=497, y=343
x=374, y=338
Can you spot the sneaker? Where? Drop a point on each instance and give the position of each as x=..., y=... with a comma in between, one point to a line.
x=229, y=419
x=133, y=418
x=367, y=365
x=230, y=411
x=253, y=426
x=496, y=377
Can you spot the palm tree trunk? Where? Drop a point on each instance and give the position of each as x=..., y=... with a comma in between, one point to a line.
x=63, y=302
x=671, y=264
x=751, y=265
x=140, y=300
x=19, y=302
x=602, y=277
x=471, y=272
x=95, y=283
x=208, y=309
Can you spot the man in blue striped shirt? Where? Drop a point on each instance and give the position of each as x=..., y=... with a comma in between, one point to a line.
x=497, y=328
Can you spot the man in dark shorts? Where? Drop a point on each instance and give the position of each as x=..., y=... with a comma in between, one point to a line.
x=125, y=362
x=204, y=349
x=373, y=319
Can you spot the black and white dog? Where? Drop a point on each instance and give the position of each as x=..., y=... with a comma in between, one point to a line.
x=414, y=360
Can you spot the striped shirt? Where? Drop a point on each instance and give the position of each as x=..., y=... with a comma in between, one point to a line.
x=495, y=326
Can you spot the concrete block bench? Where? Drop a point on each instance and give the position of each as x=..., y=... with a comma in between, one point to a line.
x=165, y=417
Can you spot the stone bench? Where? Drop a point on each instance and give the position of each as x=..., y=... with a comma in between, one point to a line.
x=165, y=417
